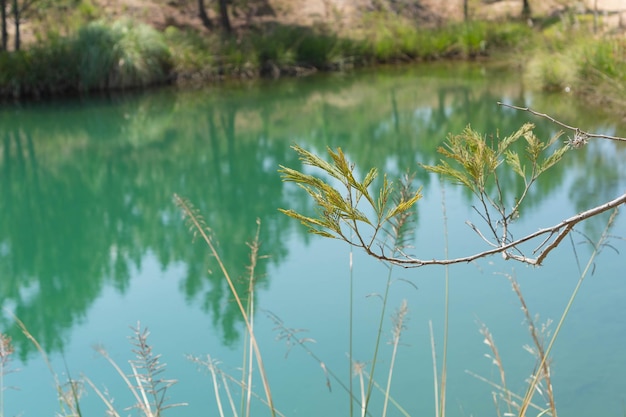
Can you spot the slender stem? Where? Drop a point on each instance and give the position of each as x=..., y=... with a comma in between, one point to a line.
x=370, y=383
x=444, y=365
x=435, y=375
x=216, y=388
x=351, y=307
x=254, y=256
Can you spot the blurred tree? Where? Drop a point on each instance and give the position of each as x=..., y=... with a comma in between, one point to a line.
x=17, y=8
x=3, y=17
x=225, y=20
x=204, y=17
x=526, y=9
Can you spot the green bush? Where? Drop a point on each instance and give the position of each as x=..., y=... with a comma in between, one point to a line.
x=98, y=56
x=191, y=53
x=551, y=71
x=94, y=45
x=318, y=49
x=141, y=56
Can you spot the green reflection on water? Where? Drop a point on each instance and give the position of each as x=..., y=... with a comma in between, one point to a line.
x=87, y=185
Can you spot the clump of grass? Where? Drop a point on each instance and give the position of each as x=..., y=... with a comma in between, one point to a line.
x=141, y=56
x=96, y=43
x=540, y=382
x=393, y=38
x=123, y=54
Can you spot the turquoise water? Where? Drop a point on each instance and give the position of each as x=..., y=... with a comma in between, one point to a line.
x=92, y=243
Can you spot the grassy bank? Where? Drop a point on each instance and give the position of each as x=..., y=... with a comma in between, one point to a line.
x=561, y=55
x=124, y=54
x=570, y=58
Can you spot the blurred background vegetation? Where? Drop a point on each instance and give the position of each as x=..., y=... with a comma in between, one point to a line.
x=52, y=47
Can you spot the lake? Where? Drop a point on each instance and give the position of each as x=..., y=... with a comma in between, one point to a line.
x=91, y=244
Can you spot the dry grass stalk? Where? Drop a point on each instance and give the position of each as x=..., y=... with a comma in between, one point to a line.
x=398, y=325
x=395, y=403
x=444, y=365
x=198, y=226
x=359, y=370
x=537, y=335
x=108, y=402
x=148, y=389
x=226, y=379
x=496, y=360
x=435, y=376
x=254, y=257
x=500, y=389
x=68, y=408
x=211, y=365
x=153, y=389
x=292, y=338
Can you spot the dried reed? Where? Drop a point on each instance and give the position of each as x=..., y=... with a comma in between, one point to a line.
x=198, y=226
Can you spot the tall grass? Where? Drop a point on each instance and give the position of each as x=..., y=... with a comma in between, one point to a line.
x=392, y=39
x=144, y=382
x=573, y=58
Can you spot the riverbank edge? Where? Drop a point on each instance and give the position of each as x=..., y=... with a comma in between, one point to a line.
x=122, y=55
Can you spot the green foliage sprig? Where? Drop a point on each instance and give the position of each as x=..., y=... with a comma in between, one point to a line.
x=479, y=164
x=469, y=159
x=338, y=211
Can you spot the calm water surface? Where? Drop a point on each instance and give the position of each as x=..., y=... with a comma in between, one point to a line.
x=91, y=243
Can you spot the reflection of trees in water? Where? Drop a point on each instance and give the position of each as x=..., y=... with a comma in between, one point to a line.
x=71, y=225
x=88, y=193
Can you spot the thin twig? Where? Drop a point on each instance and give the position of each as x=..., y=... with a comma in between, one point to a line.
x=568, y=127
x=567, y=223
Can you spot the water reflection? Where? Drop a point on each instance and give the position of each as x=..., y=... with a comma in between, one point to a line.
x=87, y=185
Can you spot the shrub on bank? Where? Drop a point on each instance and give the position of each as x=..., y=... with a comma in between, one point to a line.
x=572, y=59
x=123, y=54
x=98, y=56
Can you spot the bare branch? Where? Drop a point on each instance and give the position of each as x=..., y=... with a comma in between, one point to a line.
x=479, y=233
x=566, y=225
x=577, y=131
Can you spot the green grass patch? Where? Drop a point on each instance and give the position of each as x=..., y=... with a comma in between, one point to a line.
x=390, y=39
